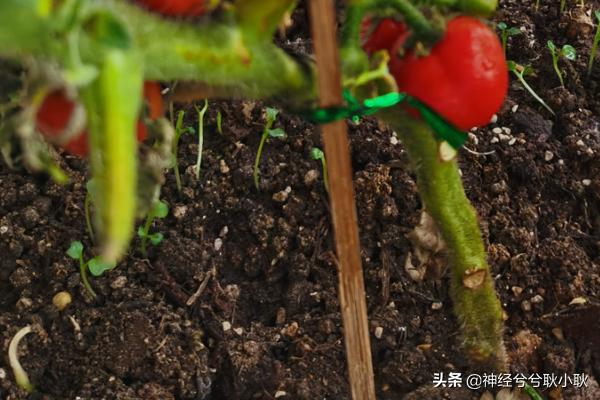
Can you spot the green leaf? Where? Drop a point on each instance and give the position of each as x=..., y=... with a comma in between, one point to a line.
x=551, y=46
x=597, y=14
x=109, y=31
x=502, y=26
x=316, y=154
x=81, y=75
x=271, y=114
x=513, y=31
x=97, y=266
x=160, y=209
x=75, y=250
x=141, y=232
x=276, y=133
x=569, y=52
x=156, y=238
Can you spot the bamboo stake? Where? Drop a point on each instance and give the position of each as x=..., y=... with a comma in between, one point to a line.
x=343, y=211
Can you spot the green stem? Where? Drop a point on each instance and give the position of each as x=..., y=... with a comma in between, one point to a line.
x=88, y=217
x=476, y=306
x=201, y=113
x=144, y=237
x=260, y=18
x=325, y=174
x=84, y=277
x=531, y=91
x=255, y=174
x=556, y=69
x=225, y=56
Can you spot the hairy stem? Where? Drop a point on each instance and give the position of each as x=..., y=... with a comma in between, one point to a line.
x=83, y=268
x=256, y=172
x=476, y=306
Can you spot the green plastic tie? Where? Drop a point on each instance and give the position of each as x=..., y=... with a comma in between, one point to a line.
x=354, y=110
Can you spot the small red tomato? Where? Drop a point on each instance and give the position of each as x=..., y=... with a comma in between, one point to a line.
x=464, y=77
x=385, y=35
x=56, y=113
x=176, y=8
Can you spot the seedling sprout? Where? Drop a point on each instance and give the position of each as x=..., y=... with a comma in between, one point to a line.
x=95, y=265
x=506, y=32
x=519, y=72
x=219, y=123
x=201, y=113
x=594, y=44
x=567, y=51
x=13, y=357
x=179, y=131
x=90, y=189
x=159, y=210
x=271, y=115
x=317, y=154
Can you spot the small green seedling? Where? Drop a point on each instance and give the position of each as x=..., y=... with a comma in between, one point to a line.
x=317, y=154
x=271, y=116
x=95, y=265
x=179, y=131
x=90, y=192
x=520, y=71
x=13, y=358
x=562, y=5
x=219, y=123
x=567, y=52
x=159, y=210
x=505, y=33
x=594, y=44
x=201, y=113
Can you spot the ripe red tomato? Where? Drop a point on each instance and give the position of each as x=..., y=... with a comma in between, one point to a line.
x=383, y=36
x=176, y=8
x=464, y=78
x=56, y=113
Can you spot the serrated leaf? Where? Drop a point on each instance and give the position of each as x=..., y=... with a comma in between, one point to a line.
x=271, y=114
x=316, y=154
x=569, y=52
x=160, y=209
x=97, y=266
x=156, y=238
x=75, y=250
x=276, y=133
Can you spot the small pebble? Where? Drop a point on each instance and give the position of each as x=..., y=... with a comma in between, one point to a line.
x=226, y=326
x=586, y=182
x=218, y=244
x=224, y=231
x=514, y=108
x=239, y=331
x=394, y=140
x=61, y=300
x=526, y=306
x=558, y=333
x=436, y=306
x=517, y=290
x=473, y=138
x=494, y=119
x=223, y=167
x=3, y=229
x=280, y=393
x=2, y=373
x=179, y=211
x=282, y=195
x=507, y=130
x=503, y=137
x=561, y=162
x=512, y=141
x=311, y=177
x=580, y=143
x=494, y=140
x=119, y=282
x=378, y=332
x=548, y=155
x=537, y=299
x=497, y=130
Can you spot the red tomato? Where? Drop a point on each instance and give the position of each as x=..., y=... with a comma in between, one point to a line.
x=385, y=35
x=178, y=8
x=56, y=111
x=464, y=78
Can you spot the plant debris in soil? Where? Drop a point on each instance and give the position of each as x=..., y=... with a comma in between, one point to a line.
x=239, y=300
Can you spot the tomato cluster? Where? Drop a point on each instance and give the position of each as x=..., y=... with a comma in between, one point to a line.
x=463, y=78
x=176, y=8
x=56, y=113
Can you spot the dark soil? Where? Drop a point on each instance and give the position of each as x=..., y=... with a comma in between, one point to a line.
x=267, y=324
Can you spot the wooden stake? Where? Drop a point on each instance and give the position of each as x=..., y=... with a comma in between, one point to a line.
x=343, y=211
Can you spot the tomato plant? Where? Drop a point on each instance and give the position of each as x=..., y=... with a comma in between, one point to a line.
x=464, y=76
x=57, y=119
x=176, y=7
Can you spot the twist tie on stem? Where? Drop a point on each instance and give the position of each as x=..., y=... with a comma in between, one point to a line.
x=354, y=110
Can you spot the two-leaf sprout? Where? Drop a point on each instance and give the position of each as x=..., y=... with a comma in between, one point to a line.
x=520, y=71
x=567, y=52
x=318, y=155
x=505, y=33
x=96, y=265
x=158, y=210
x=271, y=116
x=594, y=44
